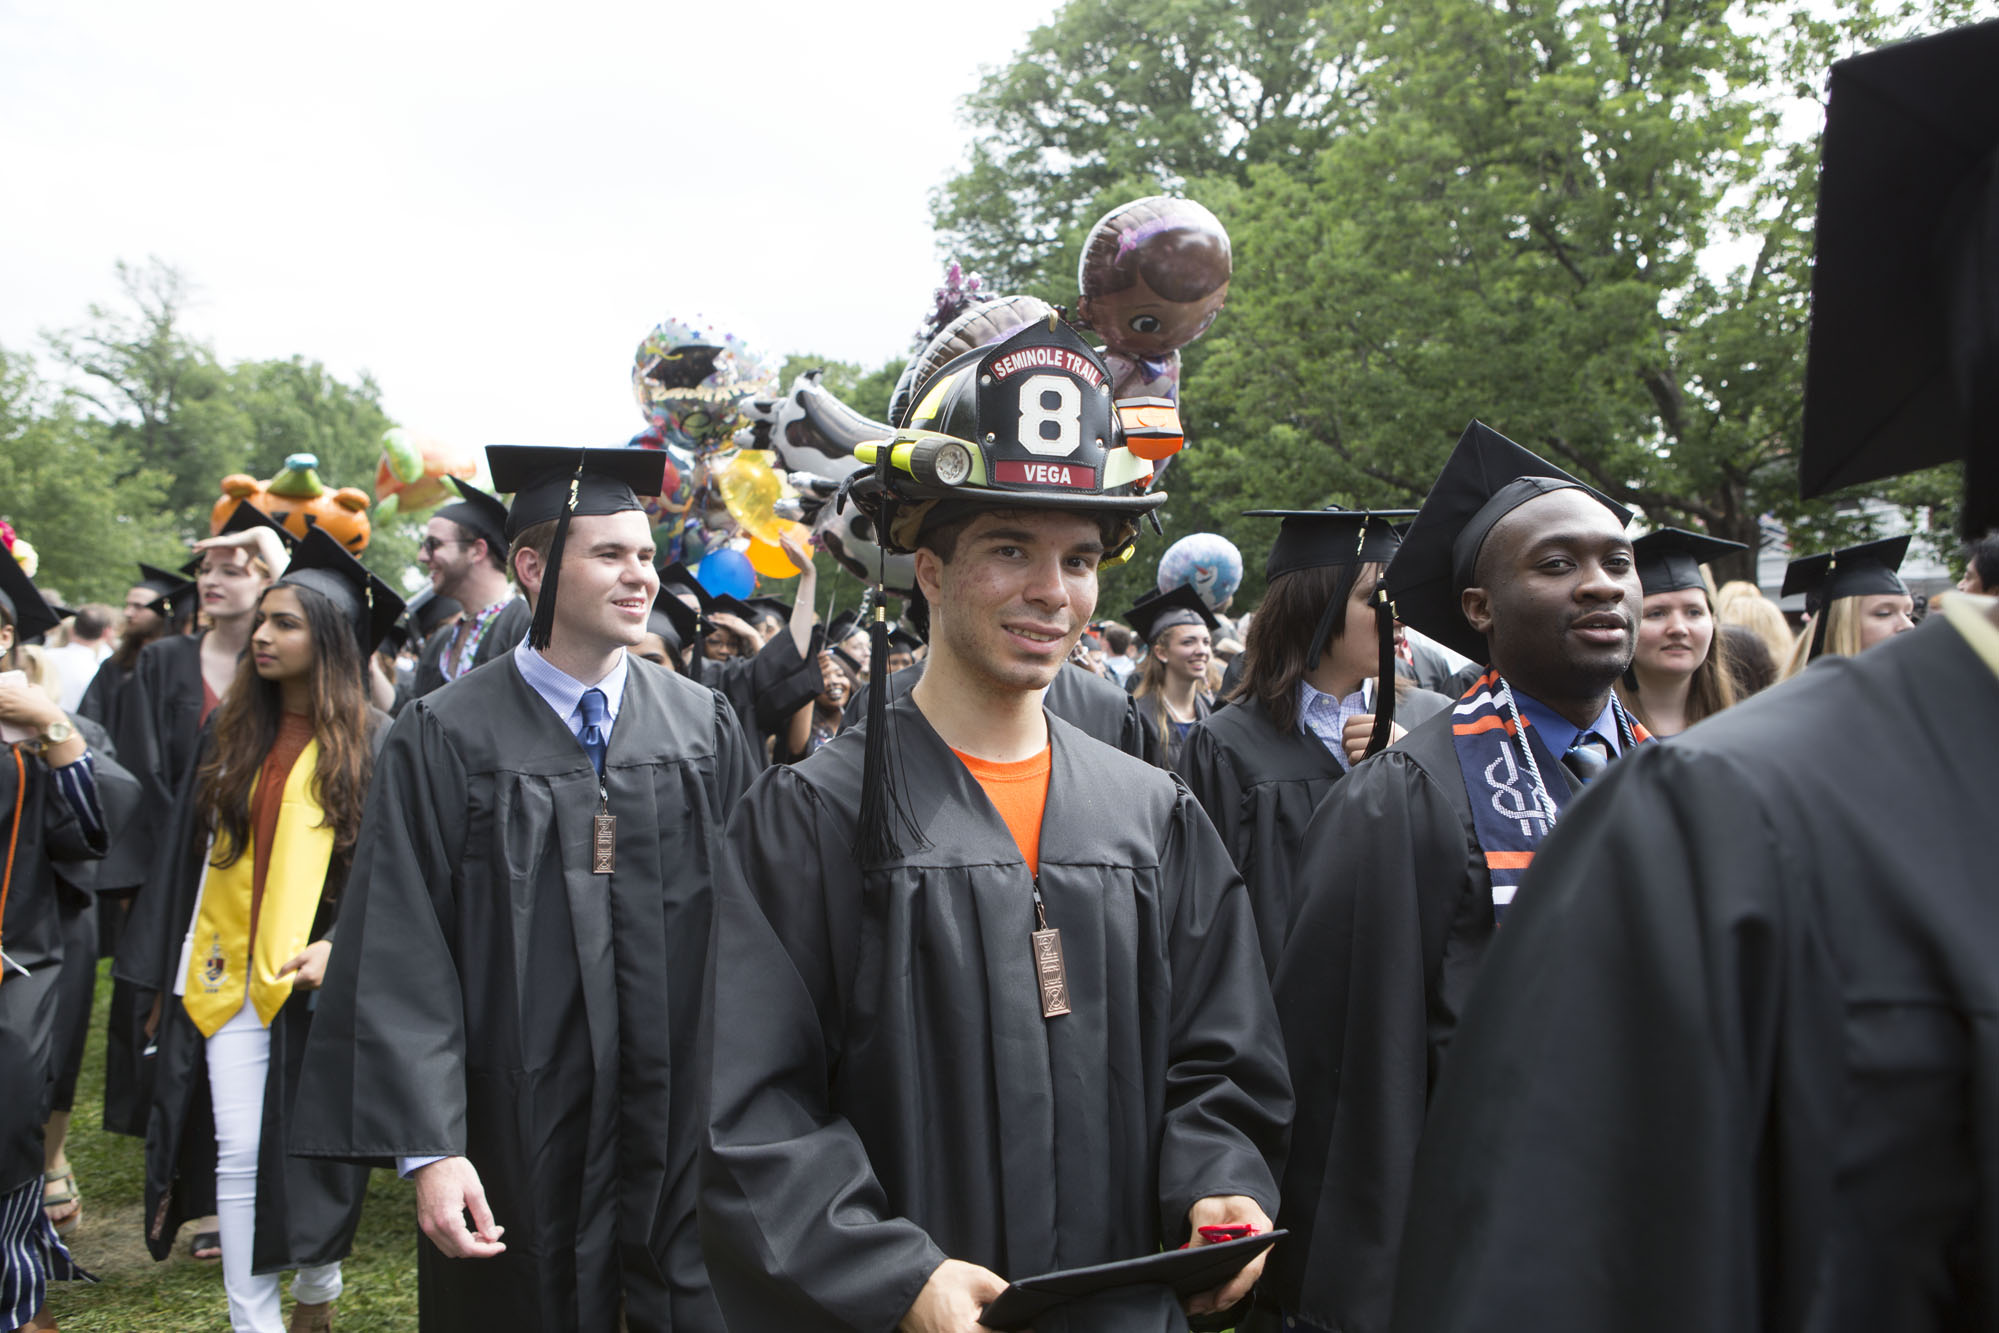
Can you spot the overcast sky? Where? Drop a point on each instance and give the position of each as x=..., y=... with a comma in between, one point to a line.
x=488, y=205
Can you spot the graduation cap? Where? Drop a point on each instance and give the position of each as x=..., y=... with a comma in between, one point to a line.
x=174, y=598
x=1902, y=370
x=1486, y=478
x=558, y=484
x=481, y=515
x=737, y=607
x=428, y=610
x=1855, y=571
x=246, y=516
x=1670, y=559
x=322, y=564
x=771, y=606
x=1188, y=1272
x=842, y=626
x=1317, y=538
x=1156, y=612
x=902, y=639
x=679, y=578
x=23, y=602
x=673, y=620
x=1314, y=538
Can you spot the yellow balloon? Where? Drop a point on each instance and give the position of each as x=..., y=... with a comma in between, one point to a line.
x=751, y=490
x=769, y=559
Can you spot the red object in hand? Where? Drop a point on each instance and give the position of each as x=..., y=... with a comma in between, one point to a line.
x=1232, y=1231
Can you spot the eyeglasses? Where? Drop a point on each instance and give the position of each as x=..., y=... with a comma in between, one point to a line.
x=431, y=545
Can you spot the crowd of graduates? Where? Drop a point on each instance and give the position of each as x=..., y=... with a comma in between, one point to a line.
x=1499, y=927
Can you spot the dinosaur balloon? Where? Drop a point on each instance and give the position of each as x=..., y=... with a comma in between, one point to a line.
x=297, y=498
x=410, y=475
x=813, y=435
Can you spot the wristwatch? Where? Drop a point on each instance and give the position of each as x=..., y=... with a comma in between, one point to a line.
x=55, y=735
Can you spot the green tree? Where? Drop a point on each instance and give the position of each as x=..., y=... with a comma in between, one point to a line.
x=168, y=404
x=88, y=507
x=1114, y=100
x=1512, y=212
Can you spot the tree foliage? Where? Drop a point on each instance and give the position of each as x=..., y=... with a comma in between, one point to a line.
x=1587, y=223
x=167, y=414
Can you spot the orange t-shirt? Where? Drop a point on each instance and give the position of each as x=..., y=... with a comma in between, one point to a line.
x=1019, y=791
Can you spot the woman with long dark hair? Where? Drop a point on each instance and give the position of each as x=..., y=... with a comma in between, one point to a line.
x=263, y=834
x=1681, y=672
x=1304, y=711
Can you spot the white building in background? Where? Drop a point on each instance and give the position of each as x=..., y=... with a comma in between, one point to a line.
x=1923, y=571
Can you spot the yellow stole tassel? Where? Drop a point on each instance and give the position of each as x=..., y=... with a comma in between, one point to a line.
x=301, y=850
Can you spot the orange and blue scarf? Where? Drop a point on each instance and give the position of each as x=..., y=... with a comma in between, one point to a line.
x=1507, y=772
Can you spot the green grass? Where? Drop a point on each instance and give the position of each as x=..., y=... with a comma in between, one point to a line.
x=136, y=1295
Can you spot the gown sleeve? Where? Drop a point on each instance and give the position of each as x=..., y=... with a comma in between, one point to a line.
x=1228, y=1095
x=1654, y=1010
x=795, y=1226
x=1211, y=777
x=1352, y=999
x=384, y=1069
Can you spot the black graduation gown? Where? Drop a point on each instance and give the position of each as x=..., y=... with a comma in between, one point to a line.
x=492, y=998
x=1099, y=708
x=1386, y=941
x=766, y=688
x=509, y=627
x=1166, y=753
x=158, y=731
x=1260, y=787
x=101, y=697
x=306, y=1210
x=31, y=934
x=76, y=898
x=884, y=1090
x=1734, y=1064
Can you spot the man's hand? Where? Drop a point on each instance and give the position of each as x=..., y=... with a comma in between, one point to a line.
x=1218, y=1211
x=951, y=1300
x=310, y=965
x=1353, y=737
x=446, y=1190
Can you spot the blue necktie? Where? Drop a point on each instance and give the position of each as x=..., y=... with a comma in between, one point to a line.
x=1588, y=757
x=596, y=712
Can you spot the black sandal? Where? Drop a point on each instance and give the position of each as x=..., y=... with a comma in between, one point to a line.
x=206, y=1246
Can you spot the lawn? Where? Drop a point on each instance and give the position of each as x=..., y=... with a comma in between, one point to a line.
x=136, y=1295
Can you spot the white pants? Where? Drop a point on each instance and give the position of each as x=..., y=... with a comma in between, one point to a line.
x=239, y=1054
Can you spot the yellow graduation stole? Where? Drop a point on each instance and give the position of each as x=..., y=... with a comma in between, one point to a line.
x=301, y=850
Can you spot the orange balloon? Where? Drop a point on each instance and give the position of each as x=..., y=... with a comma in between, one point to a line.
x=769, y=559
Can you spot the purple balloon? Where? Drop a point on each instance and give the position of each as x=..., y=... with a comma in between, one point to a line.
x=727, y=573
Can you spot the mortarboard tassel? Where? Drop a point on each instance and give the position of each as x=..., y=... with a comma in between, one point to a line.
x=543, y=624
x=1823, y=614
x=1384, y=685
x=877, y=840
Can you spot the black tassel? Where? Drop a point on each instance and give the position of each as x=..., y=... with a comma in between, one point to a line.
x=543, y=624
x=1819, y=619
x=875, y=840
x=1384, y=684
x=1325, y=627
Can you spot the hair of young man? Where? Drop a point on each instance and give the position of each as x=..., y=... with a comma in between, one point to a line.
x=132, y=642
x=500, y=560
x=946, y=524
x=1117, y=639
x=537, y=538
x=1983, y=556
x=246, y=726
x=1279, y=650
